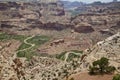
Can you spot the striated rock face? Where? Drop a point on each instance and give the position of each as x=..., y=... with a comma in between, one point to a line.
x=116, y=27
x=49, y=26
x=109, y=48
x=25, y=16
x=100, y=22
x=97, y=19
x=83, y=28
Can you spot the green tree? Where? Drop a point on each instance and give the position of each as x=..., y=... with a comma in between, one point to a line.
x=116, y=77
x=110, y=69
x=93, y=70
x=101, y=66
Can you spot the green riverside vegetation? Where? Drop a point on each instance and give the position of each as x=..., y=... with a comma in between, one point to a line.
x=37, y=41
x=73, y=54
x=5, y=37
x=25, y=50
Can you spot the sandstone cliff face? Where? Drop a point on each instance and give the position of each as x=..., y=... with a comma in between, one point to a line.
x=99, y=15
x=34, y=10
x=109, y=48
x=98, y=21
x=24, y=14
x=83, y=28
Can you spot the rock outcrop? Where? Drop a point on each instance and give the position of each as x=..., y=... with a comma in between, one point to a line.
x=83, y=28
x=109, y=48
x=10, y=68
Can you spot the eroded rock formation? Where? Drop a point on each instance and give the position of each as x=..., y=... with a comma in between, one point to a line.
x=109, y=48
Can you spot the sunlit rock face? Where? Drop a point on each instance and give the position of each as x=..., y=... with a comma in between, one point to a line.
x=109, y=48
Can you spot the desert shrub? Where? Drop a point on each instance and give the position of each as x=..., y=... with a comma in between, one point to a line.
x=116, y=77
x=110, y=69
x=101, y=66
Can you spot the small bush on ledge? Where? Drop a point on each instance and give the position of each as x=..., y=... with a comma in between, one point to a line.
x=116, y=77
x=101, y=67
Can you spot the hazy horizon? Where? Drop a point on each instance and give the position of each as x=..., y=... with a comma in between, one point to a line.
x=85, y=1
x=90, y=1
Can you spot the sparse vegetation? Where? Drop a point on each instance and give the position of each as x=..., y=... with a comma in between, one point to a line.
x=76, y=51
x=38, y=40
x=101, y=67
x=27, y=53
x=5, y=36
x=23, y=46
x=116, y=77
x=73, y=54
x=61, y=56
x=19, y=37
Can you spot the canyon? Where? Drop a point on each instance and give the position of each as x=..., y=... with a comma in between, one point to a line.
x=41, y=40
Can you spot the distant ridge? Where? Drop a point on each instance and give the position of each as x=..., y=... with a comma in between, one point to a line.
x=42, y=1
x=69, y=4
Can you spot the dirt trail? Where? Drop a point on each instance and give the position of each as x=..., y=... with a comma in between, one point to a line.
x=25, y=41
